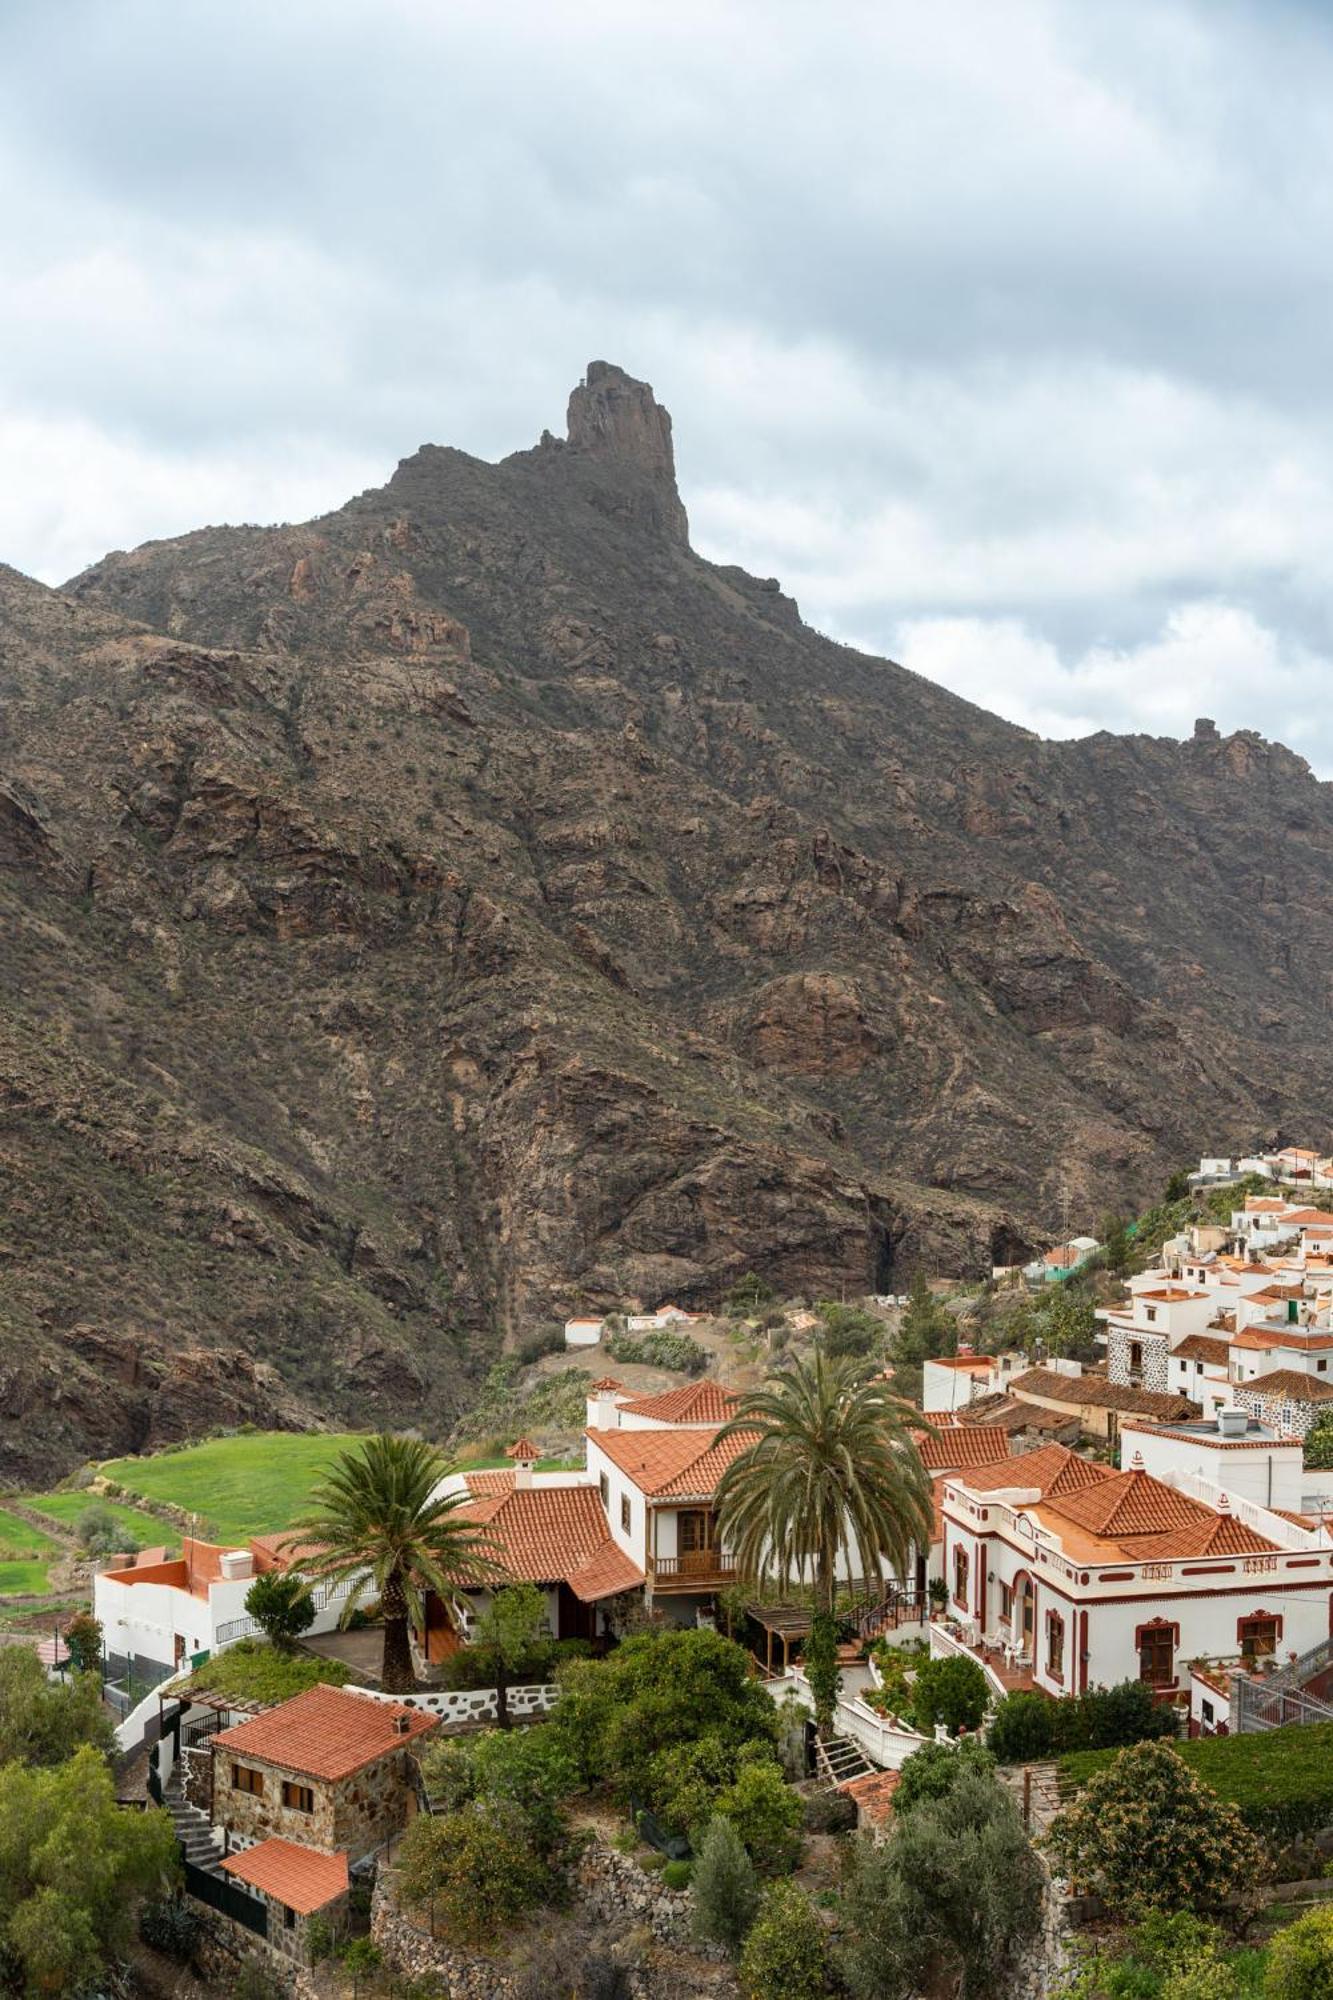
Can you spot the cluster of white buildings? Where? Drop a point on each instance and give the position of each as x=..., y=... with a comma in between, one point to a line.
x=586, y=1329
x=1288, y=1166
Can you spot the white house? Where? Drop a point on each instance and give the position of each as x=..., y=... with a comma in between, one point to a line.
x=160, y=1612
x=1092, y=1577
x=955, y=1380
x=583, y=1332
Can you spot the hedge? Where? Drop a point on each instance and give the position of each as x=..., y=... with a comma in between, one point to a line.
x=1281, y=1780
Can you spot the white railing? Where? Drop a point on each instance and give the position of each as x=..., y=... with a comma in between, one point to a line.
x=945, y=1645
x=887, y=1744
x=1262, y=1519
x=461, y=1707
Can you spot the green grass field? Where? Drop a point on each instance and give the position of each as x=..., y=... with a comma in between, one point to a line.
x=252, y=1484
x=25, y=1554
x=143, y=1529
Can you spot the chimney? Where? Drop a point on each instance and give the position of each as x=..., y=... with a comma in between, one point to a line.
x=402, y=1725
x=602, y=1404
x=524, y=1455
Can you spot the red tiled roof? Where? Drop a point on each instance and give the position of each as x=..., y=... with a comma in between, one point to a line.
x=676, y=1463
x=606, y=1382
x=551, y=1534
x=1200, y=1347
x=693, y=1403
x=1128, y=1503
x=1219, y=1535
x=325, y=1732
x=1050, y=1469
x=522, y=1448
x=873, y=1793
x=956, y=1445
x=301, y=1877
x=1288, y=1383
x=1095, y=1392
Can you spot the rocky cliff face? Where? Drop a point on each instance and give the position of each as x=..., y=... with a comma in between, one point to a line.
x=473, y=904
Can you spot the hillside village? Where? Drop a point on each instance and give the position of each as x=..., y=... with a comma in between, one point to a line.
x=1126, y=1474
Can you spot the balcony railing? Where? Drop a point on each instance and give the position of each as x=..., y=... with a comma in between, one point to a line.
x=697, y=1569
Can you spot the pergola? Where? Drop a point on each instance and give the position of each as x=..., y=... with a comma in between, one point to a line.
x=781, y=1621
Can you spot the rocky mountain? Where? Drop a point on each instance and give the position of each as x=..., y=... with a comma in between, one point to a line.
x=474, y=904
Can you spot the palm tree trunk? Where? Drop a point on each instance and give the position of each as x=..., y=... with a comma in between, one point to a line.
x=396, y=1675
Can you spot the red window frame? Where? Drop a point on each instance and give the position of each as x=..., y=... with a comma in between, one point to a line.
x=1245, y=1626
x=1055, y=1646
x=962, y=1566
x=1158, y=1636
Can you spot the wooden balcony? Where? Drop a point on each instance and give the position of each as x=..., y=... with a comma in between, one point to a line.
x=699, y=1569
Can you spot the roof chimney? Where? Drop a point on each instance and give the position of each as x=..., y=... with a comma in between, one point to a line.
x=524, y=1455
x=602, y=1404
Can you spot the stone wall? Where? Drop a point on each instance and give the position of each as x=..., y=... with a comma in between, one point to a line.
x=355, y=1814
x=464, y=1708
x=196, y=1774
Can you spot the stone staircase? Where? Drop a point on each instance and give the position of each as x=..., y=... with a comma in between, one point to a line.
x=194, y=1831
x=838, y=1759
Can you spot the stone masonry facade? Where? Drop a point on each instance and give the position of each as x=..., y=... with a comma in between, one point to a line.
x=355, y=1814
x=1154, y=1373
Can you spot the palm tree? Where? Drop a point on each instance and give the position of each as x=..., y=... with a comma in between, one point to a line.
x=832, y=1470
x=376, y=1520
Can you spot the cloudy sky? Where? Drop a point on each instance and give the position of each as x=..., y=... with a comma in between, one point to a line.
x=999, y=330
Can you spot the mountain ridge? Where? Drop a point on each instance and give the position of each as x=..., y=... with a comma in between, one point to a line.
x=472, y=903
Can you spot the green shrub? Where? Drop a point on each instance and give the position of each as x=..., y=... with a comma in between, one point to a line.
x=726, y=1893
x=820, y=1662
x=99, y=1533
x=549, y=1339
x=172, y=1926
x=254, y=1671
x=1022, y=1729
x=1147, y=1834
x=953, y=1691
x=676, y=1874
x=1300, y=1959
x=933, y=1770
x=448, y=1774
x=661, y=1349
x=766, y=1813
x=1280, y=1781
x=785, y=1956
x=828, y=1812
x=281, y=1605
x=476, y=1869
x=1026, y=1727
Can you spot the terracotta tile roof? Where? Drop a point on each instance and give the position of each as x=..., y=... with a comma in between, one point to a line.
x=1219, y=1535
x=1200, y=1347
x=1128, y=1503
x=676, y=1464
x=1290, y=1384
x=494, y=1479
x=873, y=1793
x=301, y=1877
x=280, y=1551
x=606, y=1382
x=694, y=1403
x=325, y=1732
x=522, y=1448
x=1050, y=1469
x=956, y=1445
x=1001, y=1408
x=552, y=1534
x=1095, y=1392
x=976, y=1364
x=1171, y=1292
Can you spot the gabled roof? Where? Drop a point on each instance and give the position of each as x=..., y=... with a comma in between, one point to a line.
x=1050, y=1469
x=673, y=1464
x=325, y=1732
x=1201, y=1347
x=549, y=1534
x=1095, y=1392
x=959, y=1445
x=693, y=1403
x=1290, y=1384
x=301, y=1877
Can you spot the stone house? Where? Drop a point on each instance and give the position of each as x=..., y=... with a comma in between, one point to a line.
x=295, y=1883
x=328, y=1770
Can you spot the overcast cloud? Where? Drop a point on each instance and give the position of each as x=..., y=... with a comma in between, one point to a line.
x=999, y=331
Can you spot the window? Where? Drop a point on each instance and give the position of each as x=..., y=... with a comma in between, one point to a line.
x=299, y=1798
x=1135, y=1357
x=1055, y=1645
x=960, y=1567
x=604, y=1488
x=1006, y=1601
x=1258, y=1636
x=624, y=1512
x=1157, y=1653
x=244, y=1778
x=288, y=1918
x=1322, y=1366
x=1150, y=1314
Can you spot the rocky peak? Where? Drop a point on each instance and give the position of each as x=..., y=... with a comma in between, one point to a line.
x=614, y=418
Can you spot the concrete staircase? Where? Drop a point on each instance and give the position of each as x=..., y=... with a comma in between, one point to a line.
x=838, y=1758
x=194, y=1831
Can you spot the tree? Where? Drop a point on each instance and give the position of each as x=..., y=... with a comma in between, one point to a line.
x=378, y=1522
x=726, y=1893
x=953, y=1894
x=1178, y=1186
x=829, y=1469
x=1147, y=1834
x=848, y=1330
x=72, y=1865
x=629, y=1719
x=475, y=1869
x=42, y=1721
x=925, y=1331
x=750, y=1294
x=506, y=1631
x=99, y=1534
x=953, y=1691
x=822, y=1671
x=932, y=1772
x=1117, y=1244
x=1300, y=1959
x=1319, y=1444
x=765, y=1812
x=83, y=1638
x=785, y=1956
x=281, y=1605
